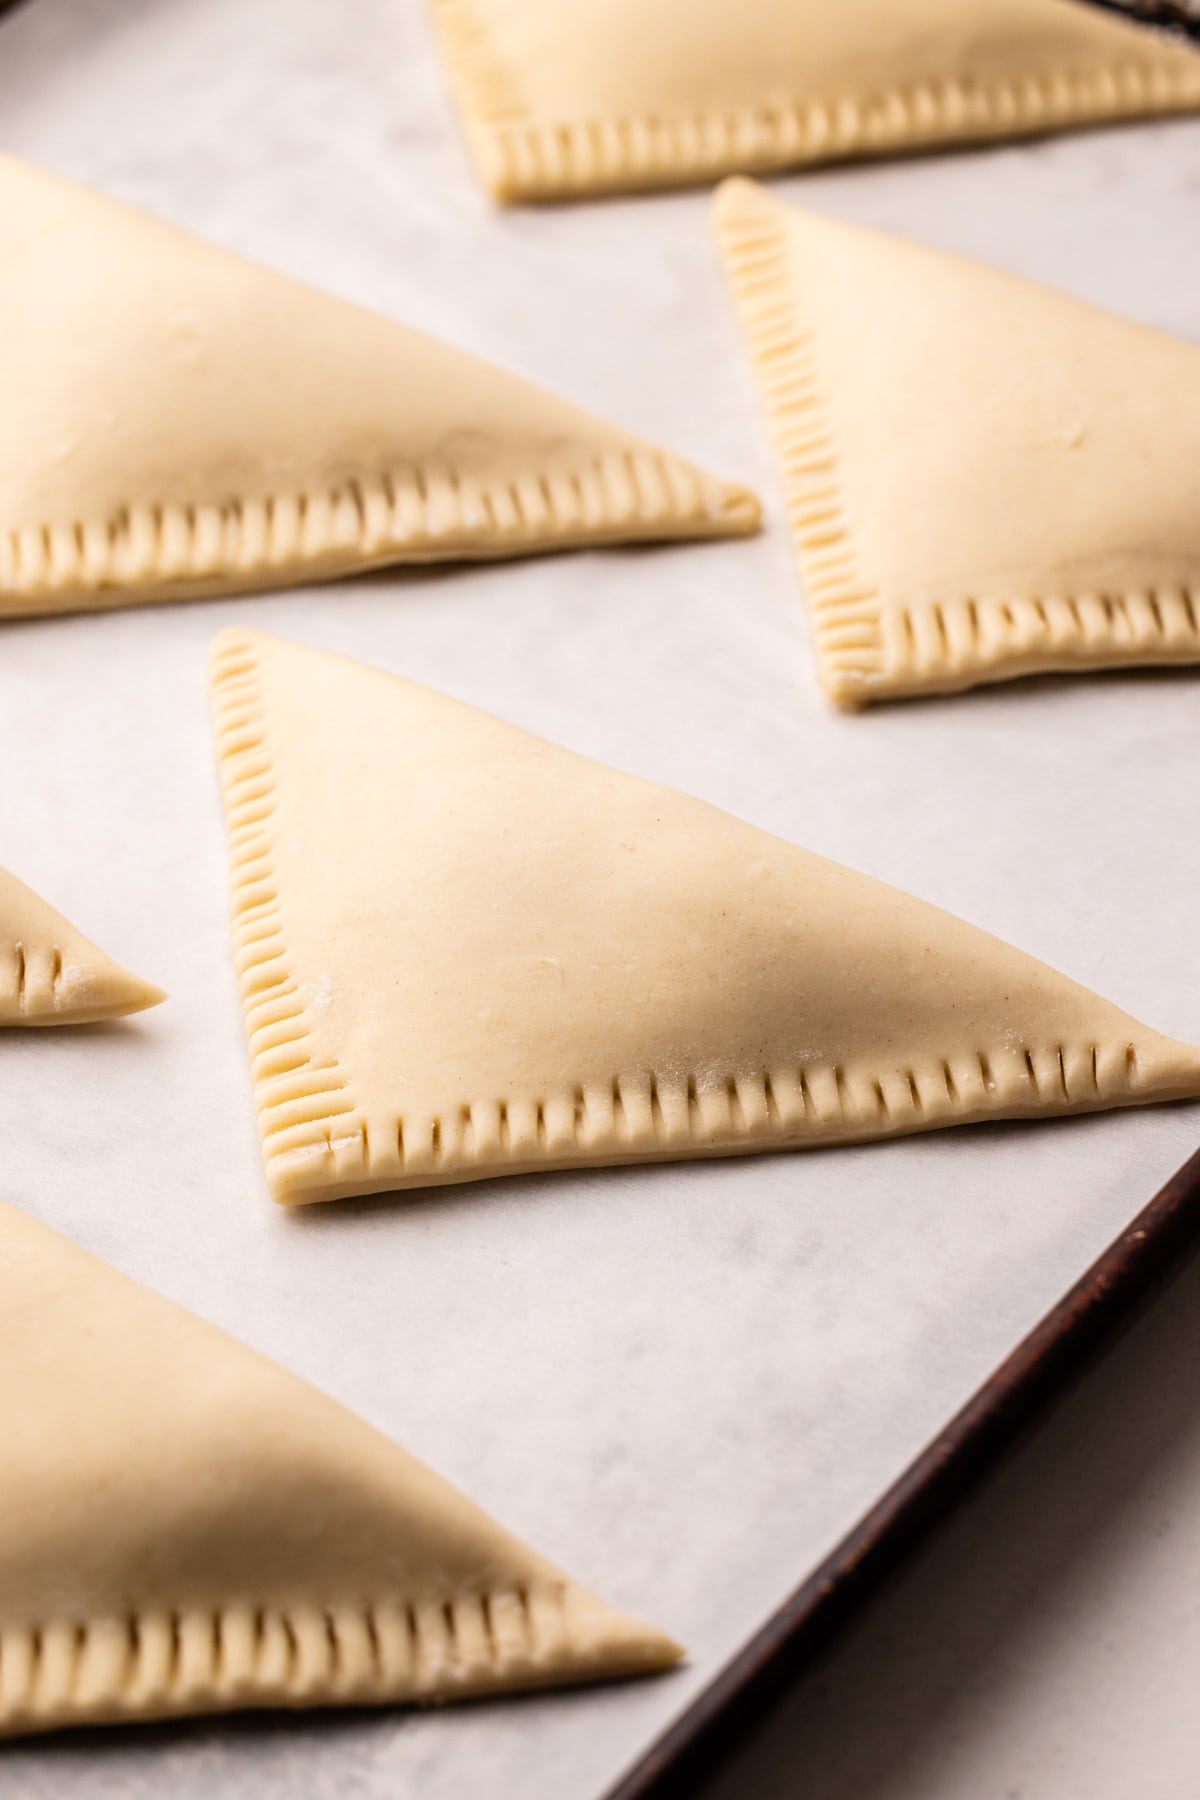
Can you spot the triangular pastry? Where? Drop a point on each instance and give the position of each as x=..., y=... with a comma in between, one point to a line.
x=187, y=1528
x=51, y=975
x=984, y=478
x=178, y=422
x=560, y=100
x=464, y=952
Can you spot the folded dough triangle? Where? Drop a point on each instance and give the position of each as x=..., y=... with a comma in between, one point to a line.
x=187, y=1528
x=464, y=952
x=51, y=975
x=561, y=100
x=984, y=478
x=180, y=422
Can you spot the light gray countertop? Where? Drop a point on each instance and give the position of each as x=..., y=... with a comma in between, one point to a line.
x=683, y=1383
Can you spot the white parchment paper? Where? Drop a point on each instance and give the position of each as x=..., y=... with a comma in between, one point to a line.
x=684, y=1382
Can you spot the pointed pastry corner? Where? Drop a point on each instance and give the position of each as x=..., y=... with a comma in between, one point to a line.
x=299, y=1176
x=847, y=688
x=605, y=1642
x=736, y=199
x=494, y=168
x=477, y=96
x=229, y=647
x=736, y=511
x=748, y=223
x=119, y=992
x=1162, y=1068
x=92, y=987
x=683, y=500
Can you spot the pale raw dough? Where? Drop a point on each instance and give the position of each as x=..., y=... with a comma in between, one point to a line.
x=984, y=478
x=177, y=421
x=51, y=975
x=188, y=1528
x=465, y=952
x=565, y=99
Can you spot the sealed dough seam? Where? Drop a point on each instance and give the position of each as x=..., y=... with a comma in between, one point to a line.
x=154, y=1664
x=522, y=159
x=927, y=643
x=845, y=610
x=937, y=645
x=304, y=1109
x=424, y=513
x=645, y=1117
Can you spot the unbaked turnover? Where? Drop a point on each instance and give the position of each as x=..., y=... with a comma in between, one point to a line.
x=177, y=422
x=562, y=100
x=51, y=975
x=464, y=952
x=187, y=1528
x=984, y=478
